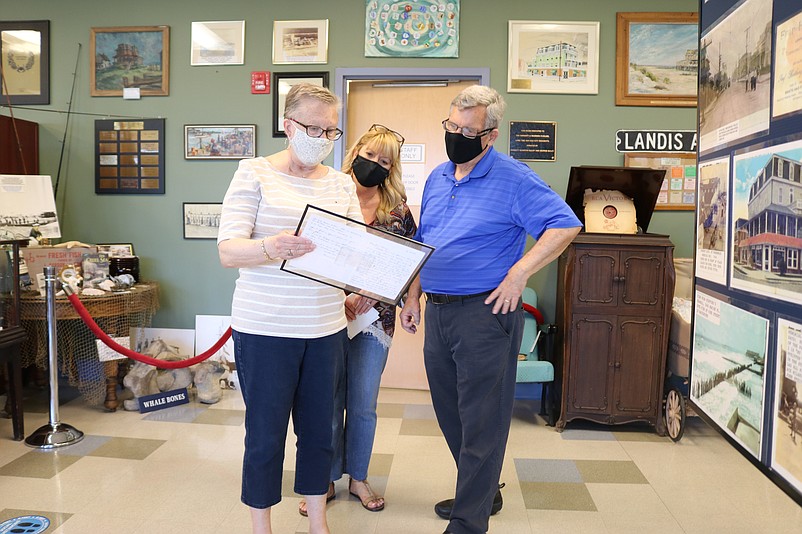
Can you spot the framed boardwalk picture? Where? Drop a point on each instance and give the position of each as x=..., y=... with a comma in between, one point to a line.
x=129, y=57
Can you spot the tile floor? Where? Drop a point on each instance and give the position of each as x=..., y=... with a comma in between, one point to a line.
x=178, y=470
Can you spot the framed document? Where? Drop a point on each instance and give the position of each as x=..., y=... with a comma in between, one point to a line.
x=25, y=62
x=356, y=257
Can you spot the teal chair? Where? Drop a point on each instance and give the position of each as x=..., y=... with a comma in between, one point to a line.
x=537, y=367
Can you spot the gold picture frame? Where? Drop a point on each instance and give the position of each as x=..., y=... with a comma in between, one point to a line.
x=129, y=57
x=656, y=59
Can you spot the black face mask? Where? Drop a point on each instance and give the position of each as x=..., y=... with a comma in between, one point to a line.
x=369, y=173
x=460, y=149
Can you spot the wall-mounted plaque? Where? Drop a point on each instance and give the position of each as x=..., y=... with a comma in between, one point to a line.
x=129, y=157
x=533, y=141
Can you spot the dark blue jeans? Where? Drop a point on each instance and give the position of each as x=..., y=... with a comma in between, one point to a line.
x=471, y=357
x=278, y=377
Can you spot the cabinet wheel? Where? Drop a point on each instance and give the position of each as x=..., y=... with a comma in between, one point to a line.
x=675, y=414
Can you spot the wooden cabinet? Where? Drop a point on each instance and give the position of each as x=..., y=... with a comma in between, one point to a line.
x=613, y=313
x=19, y=146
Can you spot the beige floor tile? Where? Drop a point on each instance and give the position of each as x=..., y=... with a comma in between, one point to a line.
x=38, y=464
x=557, y=496
x=610, y=472
x=566, y=521
x=128, y=448
x=390, y=410
x=221, y=417
x=632, y=508
x=419, y=427
x=85, y=523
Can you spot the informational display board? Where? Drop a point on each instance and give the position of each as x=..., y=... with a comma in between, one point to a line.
x=746, y=360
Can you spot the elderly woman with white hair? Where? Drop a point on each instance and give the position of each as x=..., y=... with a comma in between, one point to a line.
x=289, y=332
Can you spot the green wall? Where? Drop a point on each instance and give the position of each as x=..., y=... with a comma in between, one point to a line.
x=192, y=280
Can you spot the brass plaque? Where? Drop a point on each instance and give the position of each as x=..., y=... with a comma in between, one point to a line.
x=149, y=159
x=108, y=159
x=149, y=135
x=129, y=171
x=107, y=183
x=107, y=135
x=149, y=183
x=128, y=147
x=150, y=171
x=129, y=183
x=108, y=171
x=131, y=135
x=150, y=147
x=129, y=160
x=108, y=148
x=129, y=125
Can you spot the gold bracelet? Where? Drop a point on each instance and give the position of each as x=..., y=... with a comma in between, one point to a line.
x=264, y=250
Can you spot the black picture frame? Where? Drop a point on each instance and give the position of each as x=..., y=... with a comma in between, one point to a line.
x=282, y=81
x=201, y=220
x=16, y=73
x=129, y=156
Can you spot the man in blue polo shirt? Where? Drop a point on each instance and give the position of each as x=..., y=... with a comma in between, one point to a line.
x=477, y=210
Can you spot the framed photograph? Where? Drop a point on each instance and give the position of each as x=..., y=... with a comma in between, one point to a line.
x=129, y=57
x=202, y=221
x=553, y=57
x=300, y=41
x=219, y=141
x=116, y=250
x=282, y=83
x=25, y=53
x=678, y=191
x=218, y=43
x=656, y=59
x=412, y=28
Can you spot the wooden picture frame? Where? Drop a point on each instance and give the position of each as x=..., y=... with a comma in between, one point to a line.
x=555, y=57
x=219, y=141
x=218, y=43
x=678, y=192
x=201, y=219
x=300, y=41
x=282, y=82
x=656, y=59
x=129, y=57
x=25, y=62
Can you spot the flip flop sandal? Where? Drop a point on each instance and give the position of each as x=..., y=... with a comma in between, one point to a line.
x=372, y=499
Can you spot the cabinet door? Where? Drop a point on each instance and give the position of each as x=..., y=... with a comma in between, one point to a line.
x=590, y=384
x=637, y=362
x=593, y=277
x=641, y=280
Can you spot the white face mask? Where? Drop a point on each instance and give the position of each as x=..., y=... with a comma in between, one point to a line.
x=310, y=151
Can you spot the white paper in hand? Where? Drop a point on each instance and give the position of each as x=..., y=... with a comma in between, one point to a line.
x=361, y=322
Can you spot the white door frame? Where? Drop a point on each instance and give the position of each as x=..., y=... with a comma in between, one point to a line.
x=344, y=75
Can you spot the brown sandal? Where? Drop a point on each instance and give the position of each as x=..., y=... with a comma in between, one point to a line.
x=330, y=494
x=372, y=499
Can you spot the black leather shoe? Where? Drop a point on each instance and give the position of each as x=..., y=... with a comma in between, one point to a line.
x=443, y=508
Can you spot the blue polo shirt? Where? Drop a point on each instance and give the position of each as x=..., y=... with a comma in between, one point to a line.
x=478, y=224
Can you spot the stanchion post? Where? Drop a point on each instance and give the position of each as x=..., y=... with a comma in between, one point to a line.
x=54, y=434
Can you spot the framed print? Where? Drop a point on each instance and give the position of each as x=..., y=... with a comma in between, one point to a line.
x=25, y=62
x=553, y=57
x=116, y=250
x=678, y=191
x=129, y=57
x=656, y=59
x=129, y=157
x=219, y=141
x=218, y=43
x=300, y=41
x=202, y=221
x=412, y=28
x=787, y=90
x=282, y=82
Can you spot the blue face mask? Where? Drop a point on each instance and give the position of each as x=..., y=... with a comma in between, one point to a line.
x=368, y=173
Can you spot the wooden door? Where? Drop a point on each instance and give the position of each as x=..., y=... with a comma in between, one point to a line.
x=595, y=271
x=590, y=386
x=636, y=366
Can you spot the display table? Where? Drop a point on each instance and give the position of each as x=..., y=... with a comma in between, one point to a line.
x=116, y=313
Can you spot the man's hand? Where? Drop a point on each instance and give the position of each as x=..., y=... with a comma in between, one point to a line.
x=508, y=292
x=410, y=315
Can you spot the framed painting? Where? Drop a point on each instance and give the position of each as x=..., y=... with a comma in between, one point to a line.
x=202, y=220
x=25, y=63
x=553, y=57
x=218, y=43
x=412, y=28
x=678, y=191
x=282, y=83
x=129, y=57
x=656, y=59
x=300, y=41
x=219, y=141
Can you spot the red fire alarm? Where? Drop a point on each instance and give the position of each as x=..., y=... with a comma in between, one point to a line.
x=260, y=83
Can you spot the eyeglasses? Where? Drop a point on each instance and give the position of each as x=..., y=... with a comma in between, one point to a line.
x=332, y=134
x=470, y=133
x=384, y=129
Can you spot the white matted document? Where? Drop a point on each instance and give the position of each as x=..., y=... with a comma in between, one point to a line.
x=356, y=257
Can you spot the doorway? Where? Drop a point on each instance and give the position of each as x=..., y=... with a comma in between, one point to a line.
x=412, y=102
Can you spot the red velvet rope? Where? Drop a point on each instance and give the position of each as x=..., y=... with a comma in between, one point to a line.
x=162, y=364
x=534, y=311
